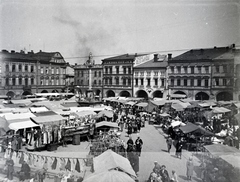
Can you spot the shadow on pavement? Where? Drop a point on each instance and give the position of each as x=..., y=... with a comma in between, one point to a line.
x=164, y=150
x=198, y=171
x=197, y=179
x=183, y=177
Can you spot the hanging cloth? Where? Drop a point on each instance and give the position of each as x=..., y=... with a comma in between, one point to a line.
x=68, y=166
x=54, y=164
x=77, y=167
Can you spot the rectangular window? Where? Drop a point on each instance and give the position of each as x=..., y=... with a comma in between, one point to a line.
x=117, y=81
x=26, y=68
x=110, y=81
x=46, y=83
x=99, y=82
x=7, y=67
x=192, y=69
x=57, y=70
x=14, y=81
x=26, y=81
x=110, y=70
x=192, y=82
x=162, y=82
x=81, y=82
x=57, y=82
x=41, y=82
x=155, y=73
x=7, y=81
x=129, y=70
x=52, y=70
x=52, y=82
x=99, y=74
x=136, y=82
x=41, y=70
x=136, y=74
x=129, y=81
x=185, y=82
x=224, y=68
x=148, y=73
x=199, y=68
x=142, y=73
x=148, y=81
x=199, y=81
x=117, y=69
x=124, y=81
x=156, y=81
x=217, y=81
x=32, y=81
x=172, y=82
x=106, y=81
x=20, y=81
x=13, y=68
x=32, y=69
x=124, y=70
x=95, y=73
x=178, y=82
x=207, y=69
x=185, y=69
x=206, y=82
x=172, y=69
x=179, y=69
x=217, y=69
x=224, y=81
x=20, y=68
x=141, y=81
x=46, y=71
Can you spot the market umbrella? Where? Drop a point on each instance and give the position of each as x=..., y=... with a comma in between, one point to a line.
x=4, y=125
x=106, y=113
x=110, y=176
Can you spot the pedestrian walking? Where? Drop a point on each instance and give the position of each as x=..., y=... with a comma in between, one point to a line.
x=179, y=149
x=138, y=144
x=164, y=174
x=24, y=173
x=130, y=144
x=169, y=143
x=189, y=168
x=174, y=177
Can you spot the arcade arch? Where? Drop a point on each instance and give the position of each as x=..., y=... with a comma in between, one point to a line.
x=201, y=96
x=124, y=94
x=110, y=93
x=157, y=94
x=142, y=94
x=224, y=96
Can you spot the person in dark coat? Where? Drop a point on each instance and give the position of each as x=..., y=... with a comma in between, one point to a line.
x=129, y=128
x=24, y=173
x=169, y=143
x=138, y=144
x=164, y=174
x=130, y=144
x=9, y=168
x=179, y=146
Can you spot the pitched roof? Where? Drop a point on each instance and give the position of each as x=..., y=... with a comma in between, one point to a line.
x=204, y=54
x=125, y=56
x=154, y=64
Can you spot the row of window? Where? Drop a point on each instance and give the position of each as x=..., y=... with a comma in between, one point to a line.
x=81, y=82
x=156, y=73
x=31, y=69
x=126, y=70
x=31, y=81
x=156, y=82
x=96, y=73
x=125, y=81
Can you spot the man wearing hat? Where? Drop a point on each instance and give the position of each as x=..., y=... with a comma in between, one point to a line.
x=138, y=144
x=164, y=174
x=157, y=168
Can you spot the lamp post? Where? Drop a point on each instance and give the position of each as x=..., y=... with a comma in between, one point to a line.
x=89, y=64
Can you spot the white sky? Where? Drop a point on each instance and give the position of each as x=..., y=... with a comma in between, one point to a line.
x=110, y=27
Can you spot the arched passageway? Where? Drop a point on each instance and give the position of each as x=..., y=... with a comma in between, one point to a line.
x=44, y=91
x=201, y=96
x=98, y=92
x=10, y=94
x=124, y=94
x=157, y=94
x=224, y=96
x=110, y=93
x=142, y=94
x=179, y=92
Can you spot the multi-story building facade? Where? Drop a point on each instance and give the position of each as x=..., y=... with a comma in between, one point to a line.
x=83, y=75
x=203, y=74
x=150, y=77
x=118, y=74
x=236, y=90
x=28, y=73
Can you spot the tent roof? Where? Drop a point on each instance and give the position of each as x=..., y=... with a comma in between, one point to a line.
x=84, y=113
x=219, y=150
x=112, y=175
x=131, y=103
x=178, y=96
x=142, y=104
x=190, y=127
x=25, y=102
x=10, y=116
x=106, y=123
x=4, y=124
x=220, y=110
x=106, y=113
x=164, y=114
x=52, y=119
x=111, y=160
x=17, y=124
x=234, y=160
x=158, y=102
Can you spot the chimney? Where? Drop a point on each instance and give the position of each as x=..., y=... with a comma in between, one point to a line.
x=191, y=51
x=40, y=50
x=233, y=46
x=169, y=56
x=32, y=51
x=4, y=50
x=215, y=47
x=155, y=57
x=12, y=51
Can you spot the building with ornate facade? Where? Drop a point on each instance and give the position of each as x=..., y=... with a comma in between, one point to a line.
x=86, y=77
x=28, y=73
x=236, y=91
x=150, y=77
x=203, y=74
